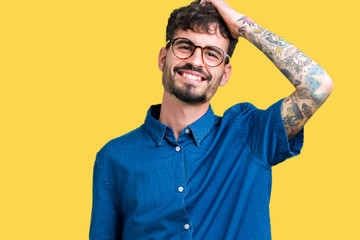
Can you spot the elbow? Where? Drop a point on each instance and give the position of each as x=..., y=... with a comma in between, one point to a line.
x=324, y=90
x=328, y=84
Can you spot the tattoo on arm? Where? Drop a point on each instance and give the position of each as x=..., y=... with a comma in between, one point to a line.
x=296, y=61
x=311, y=82
x=314, y=84
x=293, y=116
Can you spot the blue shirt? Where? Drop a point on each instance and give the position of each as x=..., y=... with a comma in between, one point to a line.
x=213, y=183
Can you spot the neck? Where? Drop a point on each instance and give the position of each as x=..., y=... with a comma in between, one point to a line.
x=177, y=114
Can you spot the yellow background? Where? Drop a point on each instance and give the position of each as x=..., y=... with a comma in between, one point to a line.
x=75, y=74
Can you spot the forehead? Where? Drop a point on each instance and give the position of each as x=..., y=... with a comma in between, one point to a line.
x=204, y=39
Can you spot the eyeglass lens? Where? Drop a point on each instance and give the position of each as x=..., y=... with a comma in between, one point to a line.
x=212, y=56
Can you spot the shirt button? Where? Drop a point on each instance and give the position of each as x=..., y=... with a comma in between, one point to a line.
x=177, y=148
x=187, y=131
x=180, y=189
x=186, y=226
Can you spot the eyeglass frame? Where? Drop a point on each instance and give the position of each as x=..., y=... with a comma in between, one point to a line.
x=202, y=51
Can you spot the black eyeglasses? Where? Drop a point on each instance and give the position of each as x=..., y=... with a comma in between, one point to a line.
x=212, y=56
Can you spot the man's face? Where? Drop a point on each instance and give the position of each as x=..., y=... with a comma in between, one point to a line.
x=191, y=80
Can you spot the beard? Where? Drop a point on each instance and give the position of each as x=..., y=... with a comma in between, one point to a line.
x=186, y=92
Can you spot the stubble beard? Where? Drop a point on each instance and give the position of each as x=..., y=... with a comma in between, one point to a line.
x=184, y=93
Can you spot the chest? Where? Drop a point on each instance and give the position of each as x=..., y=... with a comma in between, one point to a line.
x=180, y=178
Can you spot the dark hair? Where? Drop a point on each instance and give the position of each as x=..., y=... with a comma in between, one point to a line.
x=198, y=18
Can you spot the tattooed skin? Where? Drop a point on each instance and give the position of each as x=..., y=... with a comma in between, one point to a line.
x=242, y=31
x=261, y=46
x=314, y=84
x=277, y=43
x=247, y=20
x=303, y=93
x=297, y=61
x=303, y=73
x=301, y=59
x=306, y=110
x=289, y=51
x=289, y=76
x=293, y=119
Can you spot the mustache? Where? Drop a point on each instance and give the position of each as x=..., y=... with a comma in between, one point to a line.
x=189, y=66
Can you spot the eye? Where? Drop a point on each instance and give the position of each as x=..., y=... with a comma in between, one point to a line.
x=184, y=47
x=213, y=55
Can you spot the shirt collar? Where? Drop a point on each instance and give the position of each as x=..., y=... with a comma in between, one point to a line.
x=202, y=126
x=153, y=126
x=157, y=130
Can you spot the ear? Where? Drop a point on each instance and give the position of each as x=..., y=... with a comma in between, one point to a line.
x=226, y=74
x=161, y=58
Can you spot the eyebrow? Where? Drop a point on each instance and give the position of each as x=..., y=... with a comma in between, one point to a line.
x=185, y=41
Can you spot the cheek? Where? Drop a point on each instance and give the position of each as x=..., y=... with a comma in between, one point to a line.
x=169, y=64
x=168, y=72
x=217, y=75
x=167, y=67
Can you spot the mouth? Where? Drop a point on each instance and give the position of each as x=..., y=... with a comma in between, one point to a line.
x=191, y=75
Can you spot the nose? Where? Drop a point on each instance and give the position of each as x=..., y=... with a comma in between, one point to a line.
x=196, y=58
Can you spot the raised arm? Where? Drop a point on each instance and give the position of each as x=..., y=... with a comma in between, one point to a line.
x=312, y=84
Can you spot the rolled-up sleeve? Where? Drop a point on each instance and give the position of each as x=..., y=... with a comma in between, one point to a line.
x=268, y=139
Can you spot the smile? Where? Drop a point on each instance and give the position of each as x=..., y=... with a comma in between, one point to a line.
x=191, y=75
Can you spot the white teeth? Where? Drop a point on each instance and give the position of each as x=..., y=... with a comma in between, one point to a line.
x=193, y=77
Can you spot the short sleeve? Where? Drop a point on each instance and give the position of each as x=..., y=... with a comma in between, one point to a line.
x=267, y=137
x=105, y=219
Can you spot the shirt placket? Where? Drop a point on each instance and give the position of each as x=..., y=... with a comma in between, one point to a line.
x=185, y=224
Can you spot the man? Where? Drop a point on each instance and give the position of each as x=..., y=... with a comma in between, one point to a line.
x=186, y=173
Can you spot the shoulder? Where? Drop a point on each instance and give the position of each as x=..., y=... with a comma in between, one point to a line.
x=241, y=108
x=238, y=119
x=240, y=112
x=245, y=117
x=248, y=110
x=121, y=144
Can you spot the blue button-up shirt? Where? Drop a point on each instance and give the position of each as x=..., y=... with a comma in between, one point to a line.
x=213, y=183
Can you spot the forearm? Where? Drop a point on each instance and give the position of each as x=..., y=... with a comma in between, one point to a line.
x=308, y=78
x=312, y=84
